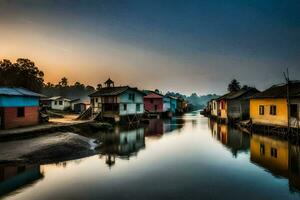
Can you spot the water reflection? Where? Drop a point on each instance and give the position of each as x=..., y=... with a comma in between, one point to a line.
x=122, y=143
x=230, y=137
x=13, y=177
x=190, y=159
x=277, y=156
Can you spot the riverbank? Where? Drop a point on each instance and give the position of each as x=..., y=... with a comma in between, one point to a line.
x=44, y=129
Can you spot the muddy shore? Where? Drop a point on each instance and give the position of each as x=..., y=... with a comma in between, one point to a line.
x=54, y=145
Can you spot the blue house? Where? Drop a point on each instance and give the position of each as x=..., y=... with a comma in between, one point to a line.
x=18, y=107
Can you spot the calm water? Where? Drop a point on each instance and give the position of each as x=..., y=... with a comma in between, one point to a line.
x=184, y=158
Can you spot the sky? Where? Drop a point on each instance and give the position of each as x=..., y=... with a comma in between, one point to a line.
x=172, y=45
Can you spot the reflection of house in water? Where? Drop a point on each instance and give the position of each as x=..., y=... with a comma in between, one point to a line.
x=155, y=128
x=123, y=143
x=172, y=124
x=230, y=137
x=277, y=156
x=14, y=177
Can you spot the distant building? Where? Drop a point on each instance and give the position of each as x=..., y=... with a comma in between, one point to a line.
x=18, y=107
x=118, y=103
x=153, y=102
x=181, y=106
x=270, y=107
x=167, y=104
x=215, y=107
x=60, y=103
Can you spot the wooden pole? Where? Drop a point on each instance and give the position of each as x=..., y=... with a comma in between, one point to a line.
x=288, y=96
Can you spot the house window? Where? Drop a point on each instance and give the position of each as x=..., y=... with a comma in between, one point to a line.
x=96, y=100
x=55, y=102
x=274, y=152
x=214, y=105
x=131, y=96
x=155, y=108
x=273, y=110
x=151, y=101
x=261, y=110
x=125, y=107
x=92, y=102
x=138, y=107
x=21, y=112
x=294, y=110
x=262, y=149
x=60, y=102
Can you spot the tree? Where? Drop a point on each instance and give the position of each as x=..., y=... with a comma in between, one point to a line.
x=63, y=82
x=23, y=73
x=234, y=85
x=89, y=88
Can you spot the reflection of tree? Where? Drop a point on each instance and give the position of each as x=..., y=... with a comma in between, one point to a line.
x=122, y=143
x=17, y=176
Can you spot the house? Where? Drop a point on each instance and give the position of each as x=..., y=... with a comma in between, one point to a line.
x=235, y=105
x=182, y=105
x=238, y=103
x=117, y=103
x=153, y=102
x=270, y=107
x=167, y=104
x=79, y=105
x=215, y=108
x=18, y=107
x=173, y=102
x=60, y=103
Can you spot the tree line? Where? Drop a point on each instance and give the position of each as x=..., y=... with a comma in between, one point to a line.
x=24, y=73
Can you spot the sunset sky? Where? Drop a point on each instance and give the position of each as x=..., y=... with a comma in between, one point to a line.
x=177, y=45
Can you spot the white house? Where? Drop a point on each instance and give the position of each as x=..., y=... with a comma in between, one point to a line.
x=118, y=103
x=60, y=103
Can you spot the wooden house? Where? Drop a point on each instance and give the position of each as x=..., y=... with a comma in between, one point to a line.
x=238, y=103
x=18, y=107
x=118, y=103
x=153, y=102
x=270, y=107
x=235, y=105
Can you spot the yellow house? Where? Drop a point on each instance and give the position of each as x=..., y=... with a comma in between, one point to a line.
x=270, y=107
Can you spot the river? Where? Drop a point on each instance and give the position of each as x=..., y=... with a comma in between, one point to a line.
x=188, y=157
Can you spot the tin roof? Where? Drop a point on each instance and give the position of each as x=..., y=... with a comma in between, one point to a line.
x=7, y=91
x=113, y=91
x=238, y=94
x=57, y=98
x=280, y=91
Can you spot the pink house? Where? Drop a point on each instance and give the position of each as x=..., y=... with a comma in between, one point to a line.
x=153, y=102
